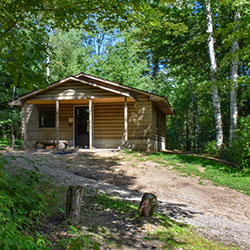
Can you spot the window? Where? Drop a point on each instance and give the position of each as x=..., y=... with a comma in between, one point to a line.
x=47, y=117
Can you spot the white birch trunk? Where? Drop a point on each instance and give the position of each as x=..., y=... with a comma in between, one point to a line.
x=234, y=77
x=215, y=93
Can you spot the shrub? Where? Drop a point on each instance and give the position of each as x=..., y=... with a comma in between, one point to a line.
x=21, y=206
x=239, y=151
x=212, y=149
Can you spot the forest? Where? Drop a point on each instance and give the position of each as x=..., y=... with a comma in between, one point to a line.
x=195, y=53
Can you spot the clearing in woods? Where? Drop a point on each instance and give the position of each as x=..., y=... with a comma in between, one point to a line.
x=219, y=213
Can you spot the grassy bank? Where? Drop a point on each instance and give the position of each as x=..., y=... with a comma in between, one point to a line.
x=206, y=169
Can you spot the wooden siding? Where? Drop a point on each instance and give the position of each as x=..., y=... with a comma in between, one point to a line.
x=35, y=133
x=108, y=122
x=74, y=91
x=140, y=118
x=158, y=127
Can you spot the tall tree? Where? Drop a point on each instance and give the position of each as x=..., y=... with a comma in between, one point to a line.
x=213, y=76
x=234, y=80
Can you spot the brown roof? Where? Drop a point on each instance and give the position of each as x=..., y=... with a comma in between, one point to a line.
x=115, y=87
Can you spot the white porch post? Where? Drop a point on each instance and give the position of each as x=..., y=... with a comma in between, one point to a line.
x=125, y=119
x=57, y=123
x=90, y=125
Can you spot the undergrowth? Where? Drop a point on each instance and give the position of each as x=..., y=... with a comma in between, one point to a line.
x=22, y=206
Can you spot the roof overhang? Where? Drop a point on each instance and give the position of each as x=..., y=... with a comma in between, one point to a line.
x=162, y=104
x=18, y=102
x=117, y=88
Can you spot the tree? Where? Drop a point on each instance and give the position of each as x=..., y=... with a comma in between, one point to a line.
x=234, y=77
x=26, y=24
x=213, y=76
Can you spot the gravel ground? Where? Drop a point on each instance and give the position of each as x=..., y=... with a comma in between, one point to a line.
x=218, y=213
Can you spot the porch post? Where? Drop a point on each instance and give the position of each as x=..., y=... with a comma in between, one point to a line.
x=25, y=126
x=125, y=119
x=90, y=125
x=57, y=123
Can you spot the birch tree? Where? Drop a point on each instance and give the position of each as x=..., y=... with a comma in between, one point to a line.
x=213, y=74
x=234, y=76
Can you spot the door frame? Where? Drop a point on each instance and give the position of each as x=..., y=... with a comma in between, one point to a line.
x=74, y=107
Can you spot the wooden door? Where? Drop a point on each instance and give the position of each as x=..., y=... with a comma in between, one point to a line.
x=81, y=127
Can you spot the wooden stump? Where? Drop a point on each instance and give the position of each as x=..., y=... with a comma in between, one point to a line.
x=73, y=204
x=147, y=205
x=62, y=146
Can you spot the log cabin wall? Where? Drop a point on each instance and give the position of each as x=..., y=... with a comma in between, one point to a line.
x=108, y=122
x=159, y=129
x=36, y=134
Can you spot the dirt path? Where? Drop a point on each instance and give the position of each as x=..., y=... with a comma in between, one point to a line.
x=219, y=213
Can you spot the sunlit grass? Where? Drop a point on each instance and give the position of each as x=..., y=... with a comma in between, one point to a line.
x=218, y=173
x=159, y=229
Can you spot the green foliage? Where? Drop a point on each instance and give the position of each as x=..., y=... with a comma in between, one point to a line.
x=25, y=25
x=21, y=207
x=239, y=151
x=212, y=149
x=78, y=241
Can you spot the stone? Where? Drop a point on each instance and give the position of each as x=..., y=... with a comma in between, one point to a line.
x=147, y=205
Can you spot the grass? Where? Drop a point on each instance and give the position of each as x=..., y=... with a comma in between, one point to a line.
x=218, y=173
x=158, y=230
x=122, y=223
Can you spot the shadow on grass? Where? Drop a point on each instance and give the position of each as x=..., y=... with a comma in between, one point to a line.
x=120, y=225
x=201, y=161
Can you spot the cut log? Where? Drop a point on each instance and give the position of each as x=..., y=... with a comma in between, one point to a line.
x=73, y=204
x=40, y=145
x=147, y=205
x=62, y=146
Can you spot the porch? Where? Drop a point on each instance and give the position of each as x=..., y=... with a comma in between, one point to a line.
x=86, y=123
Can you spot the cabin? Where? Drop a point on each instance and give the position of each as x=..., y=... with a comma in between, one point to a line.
x=84, y=111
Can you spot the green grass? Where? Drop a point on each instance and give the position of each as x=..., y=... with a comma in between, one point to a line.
x=166, y=233
x=218, y=173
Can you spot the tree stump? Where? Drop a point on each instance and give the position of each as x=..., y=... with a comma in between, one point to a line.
x=40, y=145
x=73, y=204
x=61, y=146
x=147, y=205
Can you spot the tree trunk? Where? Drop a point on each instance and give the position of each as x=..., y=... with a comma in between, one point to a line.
x=196, y=114
x=147, y=205
x=234, y=76
x=73, y=204
x=188, y=144
x=213, y=65
x=12, y=122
